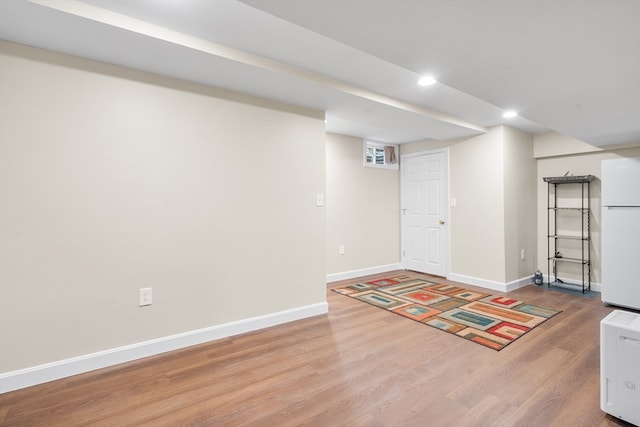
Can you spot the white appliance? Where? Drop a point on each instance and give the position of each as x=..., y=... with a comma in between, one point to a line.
x=620, y=365
x=620, y=223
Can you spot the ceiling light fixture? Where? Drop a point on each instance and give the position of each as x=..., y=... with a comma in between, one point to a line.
x=427, y=81
x=509, y=114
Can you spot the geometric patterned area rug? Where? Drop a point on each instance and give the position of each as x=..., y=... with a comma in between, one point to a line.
x=492, y=321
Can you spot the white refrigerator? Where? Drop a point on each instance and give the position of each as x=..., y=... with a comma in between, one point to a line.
x=619, y=373
x=620, y=228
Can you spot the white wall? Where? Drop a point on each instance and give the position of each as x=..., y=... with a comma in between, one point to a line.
x=363, y=210
x=112, y=180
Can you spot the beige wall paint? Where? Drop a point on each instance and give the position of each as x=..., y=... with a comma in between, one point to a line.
x=492, y=178
x=556, y=144
x=523, y=159
x=416, y=147
x=363, y=209
x=520, y=203
x=112, y=180
x=477, y=222
x=582, y=163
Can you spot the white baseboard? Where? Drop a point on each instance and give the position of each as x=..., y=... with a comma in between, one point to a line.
x=513, y=285
x=52, y=371
x=491, y=284
x=335, y=277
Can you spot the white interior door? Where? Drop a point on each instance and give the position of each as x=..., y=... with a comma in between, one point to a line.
x=424, y=213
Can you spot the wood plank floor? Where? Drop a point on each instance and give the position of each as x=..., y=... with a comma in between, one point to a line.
x=357, y=366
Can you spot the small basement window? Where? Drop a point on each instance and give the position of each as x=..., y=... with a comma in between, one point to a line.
x=380, y=155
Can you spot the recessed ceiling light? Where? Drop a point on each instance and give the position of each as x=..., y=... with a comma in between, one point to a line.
x=509, y=114
x=427, y=81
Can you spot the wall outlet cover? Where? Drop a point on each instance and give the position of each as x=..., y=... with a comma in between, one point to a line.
x=145, y=297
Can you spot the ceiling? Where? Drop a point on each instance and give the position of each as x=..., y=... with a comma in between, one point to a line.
x=569, y=66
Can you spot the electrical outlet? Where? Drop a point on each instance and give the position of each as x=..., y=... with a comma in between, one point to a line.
x=522, y=254
x=145, y=297
x=341, y=250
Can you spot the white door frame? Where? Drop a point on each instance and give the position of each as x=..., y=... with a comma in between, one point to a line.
x=446, y=250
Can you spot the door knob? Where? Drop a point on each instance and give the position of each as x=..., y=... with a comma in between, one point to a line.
x=441, y=221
